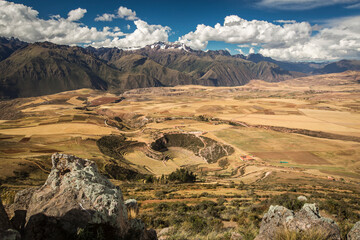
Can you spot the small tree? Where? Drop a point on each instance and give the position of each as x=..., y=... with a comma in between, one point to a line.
x=182, y=175
x=223, y=163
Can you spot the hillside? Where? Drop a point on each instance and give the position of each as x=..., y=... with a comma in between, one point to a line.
x=45, y=68
x=8, y=46
x=340, y=66
x=211, y=68
x=303, y=67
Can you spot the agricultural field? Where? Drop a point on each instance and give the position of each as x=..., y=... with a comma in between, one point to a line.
x=245, y=144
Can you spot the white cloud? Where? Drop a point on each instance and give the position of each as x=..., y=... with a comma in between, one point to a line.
x=336, y=39
x=23, y=22
x=20, y=21
x=144, y=34
x=285, y=21
x=240, y=51
x=105, y=17
x=354, y=6
x=117, y=29
x=302, y=4
x=128, y=27
x=240, y=31
x=77, y=14
x=126, y=13
x=122, y=12
x=340, y=39
x=251, y=51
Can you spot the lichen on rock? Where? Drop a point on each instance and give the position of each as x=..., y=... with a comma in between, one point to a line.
x=279, y=218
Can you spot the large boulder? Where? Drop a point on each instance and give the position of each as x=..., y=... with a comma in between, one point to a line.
x=275, y=218
x=354, y=233
x=279, y=218
x=76, y=200
x=77, y=194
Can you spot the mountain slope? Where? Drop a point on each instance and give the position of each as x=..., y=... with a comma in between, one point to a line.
x=46, y=68
x=303, y=67
x=340, y=66
x=215, y=68
x=8, y=46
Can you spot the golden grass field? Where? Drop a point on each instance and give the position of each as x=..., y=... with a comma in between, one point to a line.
x=72, y=121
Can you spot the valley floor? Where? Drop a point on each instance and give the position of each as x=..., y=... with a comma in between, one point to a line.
x=255, y=142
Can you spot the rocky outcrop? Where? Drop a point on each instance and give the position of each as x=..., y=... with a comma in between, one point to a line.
x=76, y=192
x=77, y=199
x=354, y=233
x=279, y=218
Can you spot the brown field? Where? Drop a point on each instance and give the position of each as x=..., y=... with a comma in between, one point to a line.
x=300, y=157
x=71, y=122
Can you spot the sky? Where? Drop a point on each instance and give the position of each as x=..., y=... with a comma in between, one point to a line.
x=302, y=30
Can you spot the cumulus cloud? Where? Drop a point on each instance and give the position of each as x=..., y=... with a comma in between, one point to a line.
x=122, y=12
x=105, y=17
x=20, y=21
x=336, y=39
x=77, y=14
x=340, y=39
x=240, y=31
x=144, y=34
x=126, y=13
x=23, y=22
x=302, y=4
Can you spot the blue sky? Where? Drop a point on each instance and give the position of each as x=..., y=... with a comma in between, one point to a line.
x=320, y=30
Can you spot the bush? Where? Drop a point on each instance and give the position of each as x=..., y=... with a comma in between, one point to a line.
x=182, y=175
x=287, y=200
x=340, y=208
x=223, y=163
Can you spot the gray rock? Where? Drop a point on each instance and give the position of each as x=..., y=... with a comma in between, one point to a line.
x=308, y=218
x=274, y=219
x=76, y=194
x=302, y=198
x=354, y=233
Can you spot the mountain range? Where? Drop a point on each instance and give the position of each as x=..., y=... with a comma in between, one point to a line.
x=33, y=69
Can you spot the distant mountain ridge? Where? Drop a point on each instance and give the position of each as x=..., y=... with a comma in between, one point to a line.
x=304, y=67
x=45, y=68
